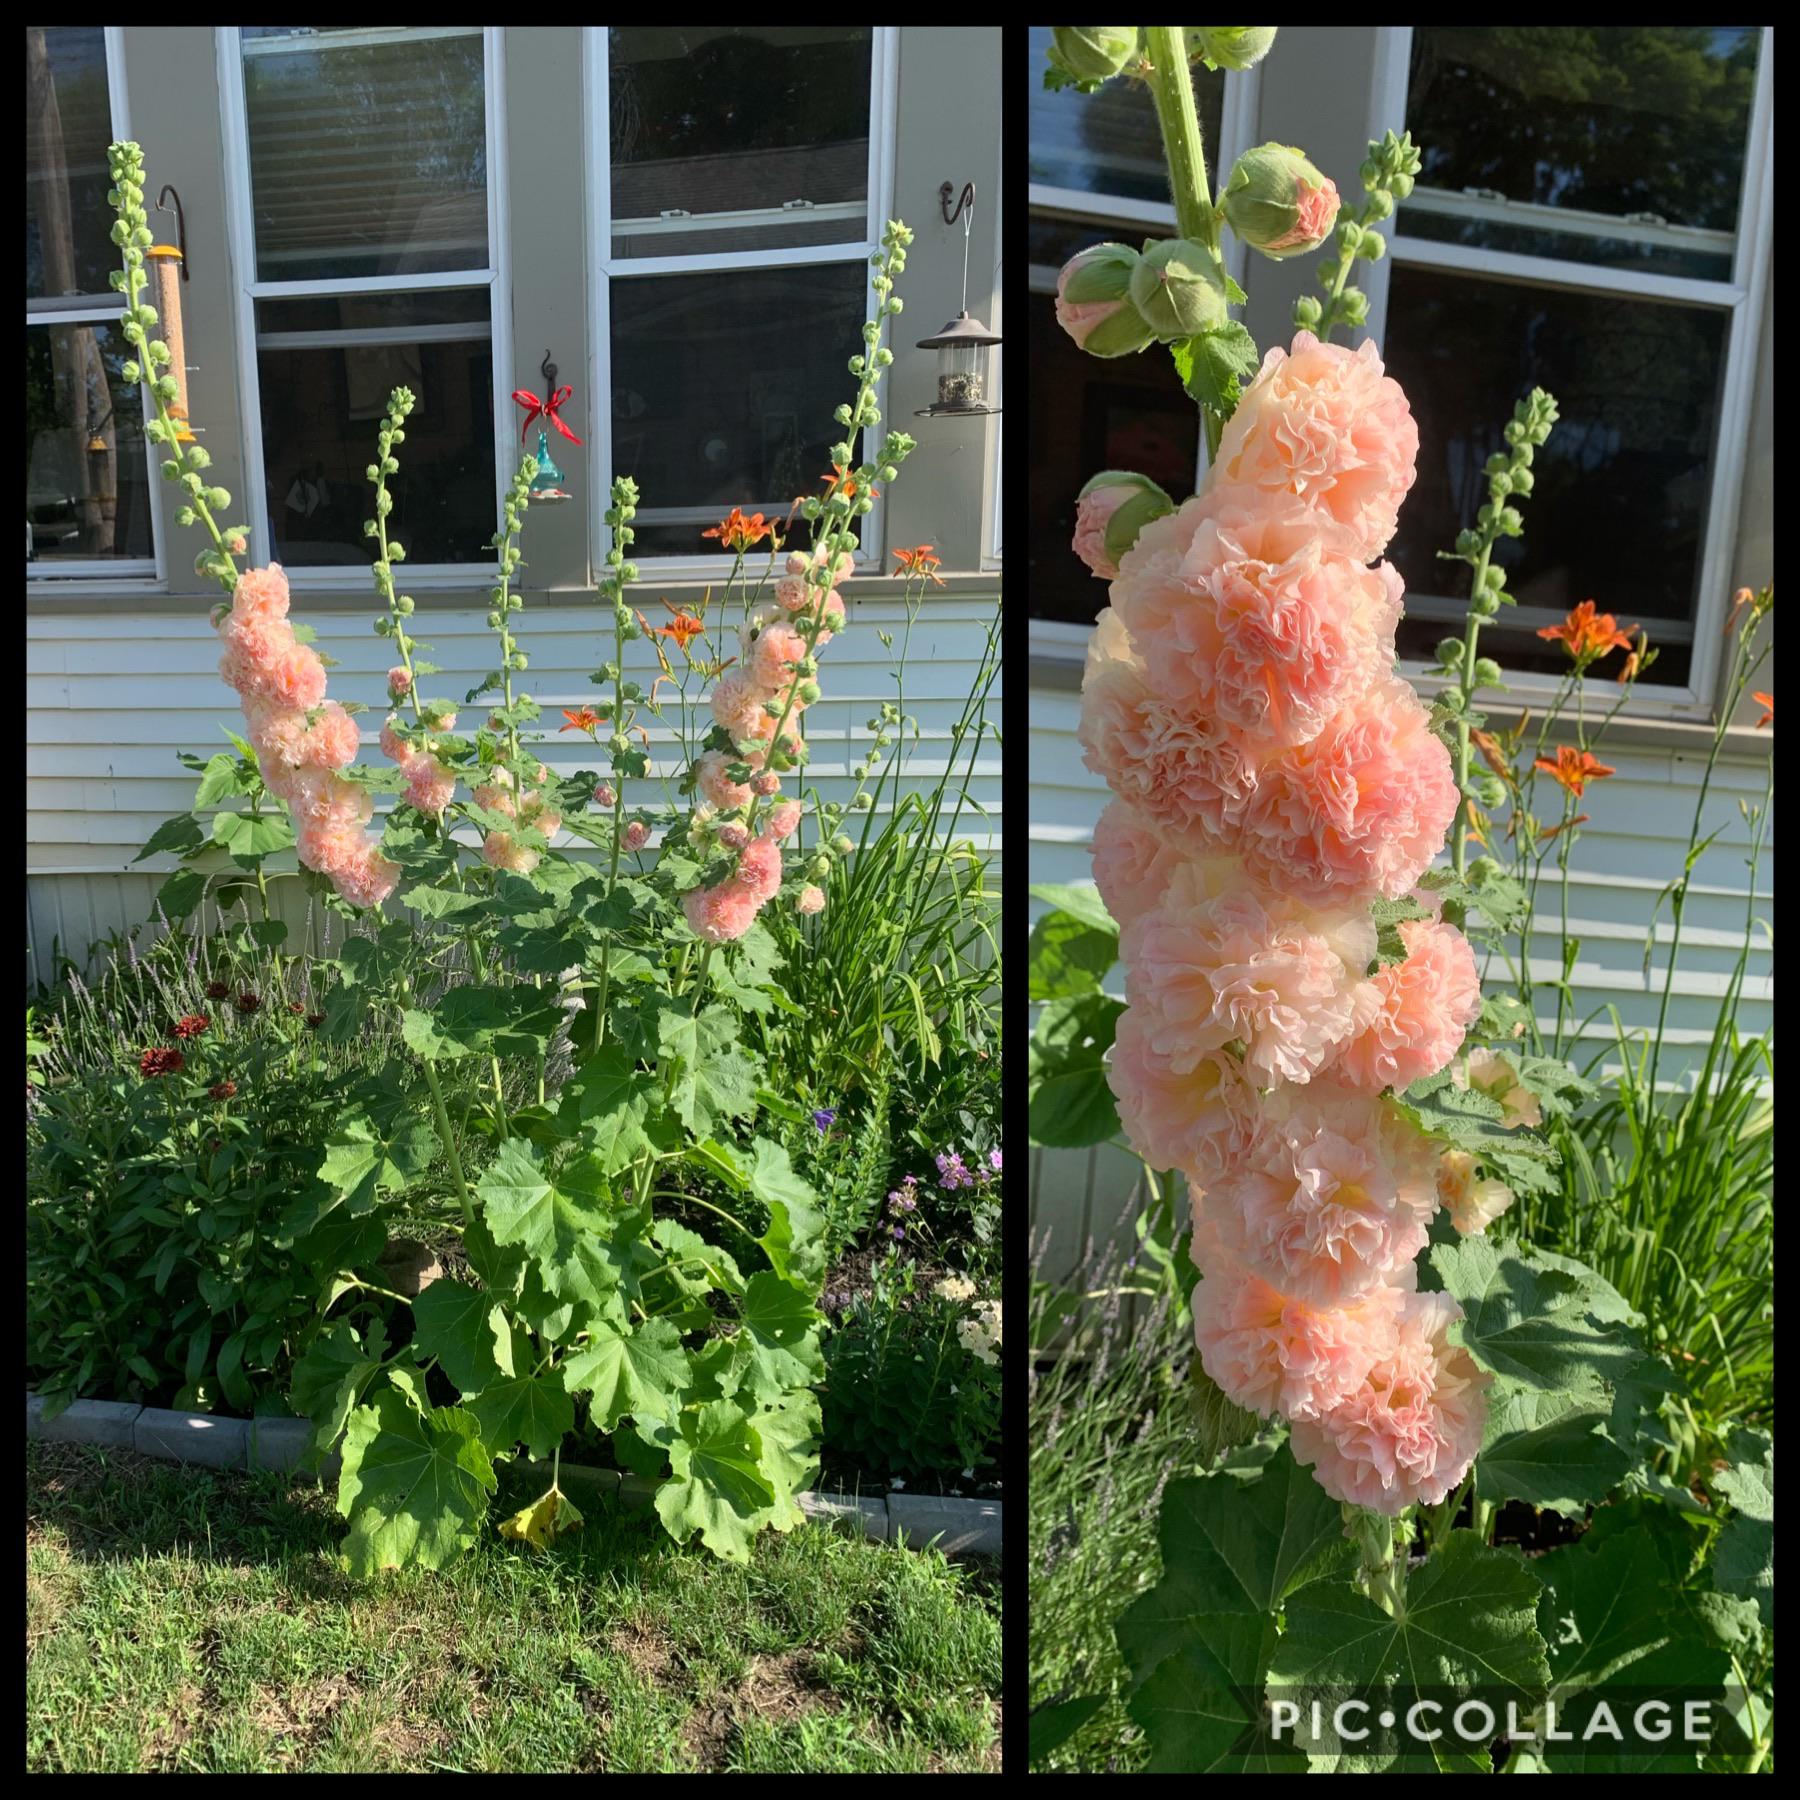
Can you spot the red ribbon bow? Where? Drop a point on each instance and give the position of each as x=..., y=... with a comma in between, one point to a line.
x=535, y=408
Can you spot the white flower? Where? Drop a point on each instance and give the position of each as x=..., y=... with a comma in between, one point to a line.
x=897, y=1484
x=954, y=1287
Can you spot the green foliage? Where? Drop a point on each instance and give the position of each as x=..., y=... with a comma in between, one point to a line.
x=903, y=1392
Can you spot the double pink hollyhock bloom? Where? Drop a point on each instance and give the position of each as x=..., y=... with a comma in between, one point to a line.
x=301, y=738
x=1272, y=779
x=748, y=702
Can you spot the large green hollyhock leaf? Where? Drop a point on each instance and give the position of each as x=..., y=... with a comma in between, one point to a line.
x=714, y=1079
x=366, y=1155
x=330, y=1378
x=1234, y=1547
x=613, y=1099
x=1541, y=1327
x=780, y=1339
x=716, y=1486
x=1199, y=1707
x=583, y=1251
x=522, y=1407
x=1548, y=1449
x=789, y=1431
x=642, y=1372
x=1619, y=1629
x=795, y=1239
x=468, y=1334
x=1744, y=1562
x=1469, y=1623
x=415, y=1486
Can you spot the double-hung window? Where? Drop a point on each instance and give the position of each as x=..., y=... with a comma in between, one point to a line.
x=87, y=483
x=1096, y=174
x=363, y=163
x=741, y=180
x=1592, y=218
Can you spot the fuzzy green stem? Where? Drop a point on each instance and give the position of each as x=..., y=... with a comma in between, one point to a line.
x=449, y=1136
x=1459, y=831
x=1172, y=88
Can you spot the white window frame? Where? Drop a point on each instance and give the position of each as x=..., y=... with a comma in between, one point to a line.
x=995, y=491
x=1058, y=640
x=604, y=269
x=247, y=290
x=85, y=309
x=1740, y=298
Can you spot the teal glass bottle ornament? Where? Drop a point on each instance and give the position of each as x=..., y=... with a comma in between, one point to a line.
x=547, y=483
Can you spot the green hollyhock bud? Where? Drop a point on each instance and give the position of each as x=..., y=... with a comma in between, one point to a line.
x=1110, y=512
x=1178, y=290
x=1093, y=301
x=1229, y=46
x=1278, y=203
x=1086, y=55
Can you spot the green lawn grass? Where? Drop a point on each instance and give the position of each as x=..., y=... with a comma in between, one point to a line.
x=182, y=1620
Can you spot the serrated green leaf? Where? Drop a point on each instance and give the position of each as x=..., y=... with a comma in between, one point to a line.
x=415, y=1486
x=1744, y=1561
x=466, y=1331
x=714, y=1080
x=642, y=1372
x=522, y=1407
x=247, y=840
x=470, y=1021
x=1067, y=956
x=611, y=1099
x=1070, y=1103
x=1535, y=1325
x=223, y=777
x=1470, y=1622
x=1613, y=1620
x=1549, y=1450
x=1219, y=1425
x=366, y=1156
x=181, y=893
x=795, y=1239
x=780, y=1336
x=1081, y=900
x=1233, y=1547
x=1220, y=362
x=179, y=836
x=716, y=1487
x=582, y=1251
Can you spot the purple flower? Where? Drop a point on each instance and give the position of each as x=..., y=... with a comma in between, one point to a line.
x=825, y=1118
x=994, y=1161
x=899, y=1232
x=952, y=1171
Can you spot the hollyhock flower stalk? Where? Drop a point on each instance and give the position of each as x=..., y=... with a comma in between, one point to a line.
x=1274, y=780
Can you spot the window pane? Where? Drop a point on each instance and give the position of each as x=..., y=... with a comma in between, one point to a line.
x=399, y=315
x=366, y=158
x=68, y=124
x=1615, y=122
x=1620, y=493
x=319, y=413
x=728, y=122
x=87, y=488
x=723, y=387
x=1126, y=412
x=1109, y=142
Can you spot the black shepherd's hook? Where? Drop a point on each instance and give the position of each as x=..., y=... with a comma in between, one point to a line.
x=162, y=205
x=967, y=198
x=548, y=370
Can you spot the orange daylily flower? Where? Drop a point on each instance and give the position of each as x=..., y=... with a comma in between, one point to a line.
x=842, y=481
x=582, y=718
x=1573, y=769
x=1588, y=635
x=1547, y=832
x=684, y=628
x=736, y=532
x=1492, y=754
x=918, y=562
x=1767, y=703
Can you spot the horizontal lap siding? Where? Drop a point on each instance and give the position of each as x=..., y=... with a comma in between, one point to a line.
x=1633, y=844
x=111, y=699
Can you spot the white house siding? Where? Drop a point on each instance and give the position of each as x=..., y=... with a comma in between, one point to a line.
x=1632, y=846
x=111, y=699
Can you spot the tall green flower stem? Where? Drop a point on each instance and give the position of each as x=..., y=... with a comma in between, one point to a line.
x=1508, y=474
x=397, y=606
x=505, y=602
x=1172, y=89
x=1387, y=175
x=619, y=516
x=131, y=232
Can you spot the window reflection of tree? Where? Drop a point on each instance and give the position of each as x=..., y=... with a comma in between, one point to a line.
x=78, y=369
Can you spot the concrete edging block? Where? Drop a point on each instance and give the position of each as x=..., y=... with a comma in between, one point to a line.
x=111, y=1423
x=969, y=1526
x=193, y=1438
x=279, y=1444
x=868, y=1518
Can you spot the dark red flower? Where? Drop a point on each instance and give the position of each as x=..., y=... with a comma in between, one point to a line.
x=296, y=1008
x=315, y=1020
x=217, y=990
x=248, y=1002
x=191, y=1025
x=161, y=1062
x=223, y=1090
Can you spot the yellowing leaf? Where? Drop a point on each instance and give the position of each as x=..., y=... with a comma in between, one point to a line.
x=544, y=1520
